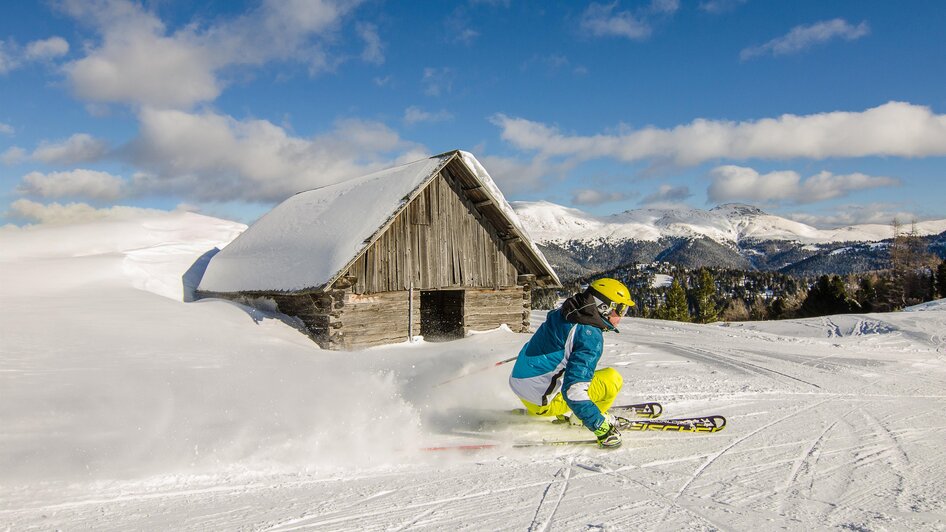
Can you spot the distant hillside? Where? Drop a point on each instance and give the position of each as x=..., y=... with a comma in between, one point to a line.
x=729, y=236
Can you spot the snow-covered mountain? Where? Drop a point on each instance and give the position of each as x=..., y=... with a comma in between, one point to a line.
x=730, y=236
x=731, y=223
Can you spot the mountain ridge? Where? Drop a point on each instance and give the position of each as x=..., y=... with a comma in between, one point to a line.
x=732, y=235
x=727, y=223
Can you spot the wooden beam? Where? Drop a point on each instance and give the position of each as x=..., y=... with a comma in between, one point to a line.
x=344, y=282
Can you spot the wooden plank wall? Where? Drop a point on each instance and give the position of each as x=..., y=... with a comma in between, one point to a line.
x=341, y=319
x=488, y=309
x=439, y=241
x=317, y=311
x=374, y=319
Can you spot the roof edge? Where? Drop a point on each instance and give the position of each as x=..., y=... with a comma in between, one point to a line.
x=450, y=156
x=514, y=223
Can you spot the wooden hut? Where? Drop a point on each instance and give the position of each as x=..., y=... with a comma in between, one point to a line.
x=429, y=248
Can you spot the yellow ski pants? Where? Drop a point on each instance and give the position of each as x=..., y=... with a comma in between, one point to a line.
x=603, y=390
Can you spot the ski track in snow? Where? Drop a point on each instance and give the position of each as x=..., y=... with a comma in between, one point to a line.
x=565, y=473
x=804, y=461
x=834, y=491
x=833, y=423
x=830, y=479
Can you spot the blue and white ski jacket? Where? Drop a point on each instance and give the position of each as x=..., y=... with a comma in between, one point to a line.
x=560, y=357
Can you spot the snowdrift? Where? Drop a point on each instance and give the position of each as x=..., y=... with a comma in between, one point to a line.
x=124, y=407
x=107, y=372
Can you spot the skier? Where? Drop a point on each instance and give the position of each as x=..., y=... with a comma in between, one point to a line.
x=555, y=371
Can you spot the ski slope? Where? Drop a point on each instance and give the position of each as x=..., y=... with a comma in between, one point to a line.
x=125, y=408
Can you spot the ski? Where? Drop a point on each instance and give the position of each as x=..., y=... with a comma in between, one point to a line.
x=513, y=445
x=648, y=410
x=689, y=424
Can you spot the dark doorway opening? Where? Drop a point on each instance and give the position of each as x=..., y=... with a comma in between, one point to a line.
x=441, y=314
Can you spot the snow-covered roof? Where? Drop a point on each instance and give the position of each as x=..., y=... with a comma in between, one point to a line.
x=310, y=239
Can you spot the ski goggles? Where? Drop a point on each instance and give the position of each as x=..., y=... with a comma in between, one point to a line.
x=618, y=308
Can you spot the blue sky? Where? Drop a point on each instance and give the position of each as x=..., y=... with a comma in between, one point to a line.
x=830, y=113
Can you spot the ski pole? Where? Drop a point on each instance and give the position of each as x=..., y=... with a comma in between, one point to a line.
x=484, y=368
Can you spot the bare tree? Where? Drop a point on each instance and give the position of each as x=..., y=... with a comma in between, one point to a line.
x=912, y=267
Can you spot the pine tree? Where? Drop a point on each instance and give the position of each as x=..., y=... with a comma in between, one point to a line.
x=867, y=293
x=544, y=298
x=886, y=290
x=676, y=308
x=941, y=278
x=828, y=296
x=706, y=311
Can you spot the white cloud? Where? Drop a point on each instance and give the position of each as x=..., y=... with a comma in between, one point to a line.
x=601, y=20
x=374, y=50
x=212, y=157
x=457, y=27
x=46, y=49
x=383, y=81
x=664, y=6
x=414, y=115
x=720, y=6
x=137, y=63
x=13, y=155
x=668, y=194
x=6, y=129
x=438, y=81
x=83, y=183
x=845, y=215
x=514, y=175
x=893, y=129
x=731, y=183
x=801, y=38
x=71, y=213
x=140, y=62
x=13, y=56
x=606, y=20
x=79, y=148
x=552, y=64
x=589, y=196
x=553, y=61
x=7, y=60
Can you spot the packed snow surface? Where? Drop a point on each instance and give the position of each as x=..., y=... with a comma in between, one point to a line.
x=125, y=408
x=661, y=281
x=729, y=223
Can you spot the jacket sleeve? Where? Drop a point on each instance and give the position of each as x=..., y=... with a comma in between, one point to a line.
x=586, y=351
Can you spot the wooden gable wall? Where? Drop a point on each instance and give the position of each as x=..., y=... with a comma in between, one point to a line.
x=438, y=241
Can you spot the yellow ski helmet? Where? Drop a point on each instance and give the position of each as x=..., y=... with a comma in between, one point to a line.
x=612, y=295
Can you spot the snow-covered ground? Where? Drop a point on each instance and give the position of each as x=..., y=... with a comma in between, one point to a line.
x=124, y=408
x=661, y=281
